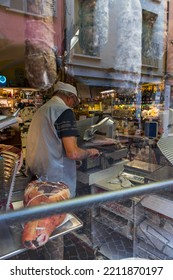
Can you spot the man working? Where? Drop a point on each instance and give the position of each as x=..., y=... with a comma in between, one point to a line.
x=52, y=149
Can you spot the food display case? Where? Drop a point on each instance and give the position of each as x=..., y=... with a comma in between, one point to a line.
x=145, y=220
x=10, y=236
x=13, y=184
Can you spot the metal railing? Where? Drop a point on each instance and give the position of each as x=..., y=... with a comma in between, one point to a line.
x=77, y=203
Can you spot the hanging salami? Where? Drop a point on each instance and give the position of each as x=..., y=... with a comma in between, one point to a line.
x=40, y=58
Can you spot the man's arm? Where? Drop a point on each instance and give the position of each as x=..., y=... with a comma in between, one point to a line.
x=74, y=152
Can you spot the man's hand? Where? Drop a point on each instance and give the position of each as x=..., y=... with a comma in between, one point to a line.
x=74, y=152
x=93, y=153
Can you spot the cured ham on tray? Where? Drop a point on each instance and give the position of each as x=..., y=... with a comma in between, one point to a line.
x=36, y=233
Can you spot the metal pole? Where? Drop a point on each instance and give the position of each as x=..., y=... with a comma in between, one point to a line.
x=40, y=211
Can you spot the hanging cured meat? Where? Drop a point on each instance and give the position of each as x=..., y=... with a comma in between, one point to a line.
x=36, y=233
x=93, y=27
x=128, y=42
x=40, y=58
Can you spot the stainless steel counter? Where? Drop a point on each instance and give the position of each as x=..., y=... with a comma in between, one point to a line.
x=10, y=236
x=95, y=174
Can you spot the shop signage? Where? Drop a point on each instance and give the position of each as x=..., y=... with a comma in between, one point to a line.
x=3, y=80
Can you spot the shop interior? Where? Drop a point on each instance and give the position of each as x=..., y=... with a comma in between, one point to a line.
x=128, y=130
x=119, y=58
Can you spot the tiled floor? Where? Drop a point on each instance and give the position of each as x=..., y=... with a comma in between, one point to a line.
x=105, y=244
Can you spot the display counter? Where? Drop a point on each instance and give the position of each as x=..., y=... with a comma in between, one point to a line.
x=10, y=235
x=105, y=225
x=146, y=220
x=96, y=174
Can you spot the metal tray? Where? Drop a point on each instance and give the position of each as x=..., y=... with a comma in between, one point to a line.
x=10, y=236
x=164, y=173
x=141, y=167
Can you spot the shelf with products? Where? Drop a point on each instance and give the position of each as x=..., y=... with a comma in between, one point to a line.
x=151, y=111
x=10, y=97
x=150, y=96
x=13, y=93
x=146, y=102
x=7, y=103
x=124, y=112
x=126, y=127
x=125, y=119
x=88, y=108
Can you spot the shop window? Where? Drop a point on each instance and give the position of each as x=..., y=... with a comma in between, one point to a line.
x=5, y=3
x=18, y=4
x=91, y=26
x=150, y=48
x=38, y=7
